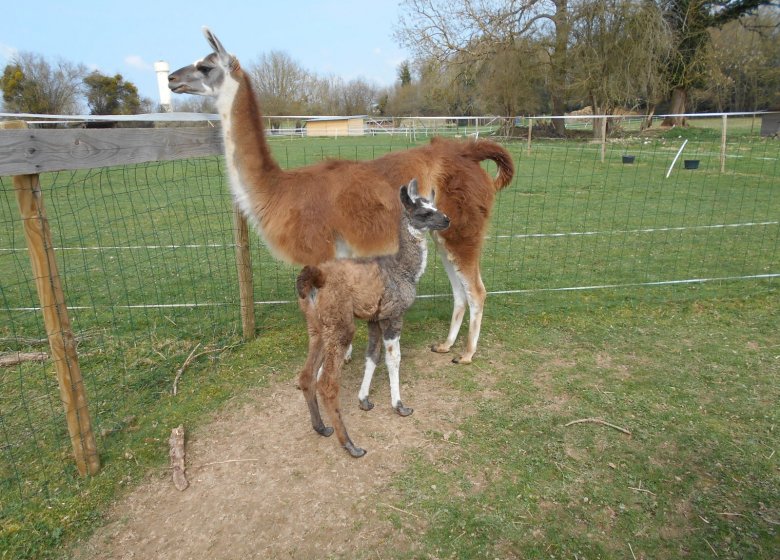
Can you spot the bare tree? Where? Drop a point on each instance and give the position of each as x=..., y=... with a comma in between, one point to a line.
x=281, y=83
x=618, y=50
x=743, y=65
x=30, y=84
x=468, y=31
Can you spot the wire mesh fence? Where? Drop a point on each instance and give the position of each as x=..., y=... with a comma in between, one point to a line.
x=146, y=255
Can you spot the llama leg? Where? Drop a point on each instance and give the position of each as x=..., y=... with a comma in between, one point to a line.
x=459, y=301
x=373, y=353
x=391, y=335
x=328, y=386
x=307, y=384
x=475, y=295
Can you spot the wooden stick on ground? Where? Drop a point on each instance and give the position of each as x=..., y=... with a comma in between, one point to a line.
x=16, y=358
x=176, y=442
x=598, y=421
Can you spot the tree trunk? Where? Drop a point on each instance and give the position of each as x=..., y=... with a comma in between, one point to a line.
x=558, y=64
x=679, y=99
x=648, y=122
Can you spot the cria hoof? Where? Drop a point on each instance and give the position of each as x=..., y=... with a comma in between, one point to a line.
x=327, y=432
x=366, y=404
x=439, y=349
x=402, y=410
x=461, y=360
x=356, y=452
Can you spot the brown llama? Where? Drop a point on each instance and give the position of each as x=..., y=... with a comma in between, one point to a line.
x=339, y=208
x=378, y=290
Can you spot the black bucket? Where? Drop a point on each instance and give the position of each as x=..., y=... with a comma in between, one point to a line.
x=691, y=163
x=628, y=159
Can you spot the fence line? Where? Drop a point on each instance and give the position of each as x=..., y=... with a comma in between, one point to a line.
x=568, y=223
x=513, y=236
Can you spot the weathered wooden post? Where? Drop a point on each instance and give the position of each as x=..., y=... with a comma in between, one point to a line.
x=530, y=127
x=723, y=144
x=244, y=268
x=56, y=320
x=603, y=138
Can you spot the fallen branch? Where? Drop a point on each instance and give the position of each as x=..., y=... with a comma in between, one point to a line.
x=598, y=421
x=183, y=367
x=176, y=442
x=16, y=358
x=228, y=461
x=191, y=358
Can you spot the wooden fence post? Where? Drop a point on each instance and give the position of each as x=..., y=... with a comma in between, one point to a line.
x=244, y=268
x=530, y=127
x=723, y=144
x=55, y=317
x=603, y=138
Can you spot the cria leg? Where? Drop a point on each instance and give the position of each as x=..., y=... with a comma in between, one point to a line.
x=373, y=353
x=328, y=388
x=307, y=384
x=391, y=335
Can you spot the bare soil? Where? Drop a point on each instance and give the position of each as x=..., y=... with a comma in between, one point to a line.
x=263, y=484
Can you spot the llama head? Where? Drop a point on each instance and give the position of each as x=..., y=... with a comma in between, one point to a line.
x=422, y=213
x=205, y=76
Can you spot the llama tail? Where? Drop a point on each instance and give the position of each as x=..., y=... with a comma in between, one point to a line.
x=480, y=150
x=309, y=281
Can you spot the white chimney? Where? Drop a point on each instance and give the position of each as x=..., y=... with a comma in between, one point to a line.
x=162, y=69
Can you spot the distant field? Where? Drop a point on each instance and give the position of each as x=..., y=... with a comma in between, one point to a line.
x=148, y=265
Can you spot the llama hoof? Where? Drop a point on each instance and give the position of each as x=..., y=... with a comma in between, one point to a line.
x=461, y=360
x=366, y=404
x=402, y=410
x=439, y=348
x=356, y=452
x=324, y=431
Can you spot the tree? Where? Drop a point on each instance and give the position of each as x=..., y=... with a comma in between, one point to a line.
x=111, y=95
x=618, y=48
x=743, y=66
x=31, y=85
x=690, y=21
x=512, y=82
x=469, y=31
x=281, y=82
x=404, y=74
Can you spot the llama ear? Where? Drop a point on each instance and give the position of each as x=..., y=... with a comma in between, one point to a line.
x=215, y=43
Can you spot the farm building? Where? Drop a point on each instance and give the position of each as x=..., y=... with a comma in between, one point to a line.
x=336, y=126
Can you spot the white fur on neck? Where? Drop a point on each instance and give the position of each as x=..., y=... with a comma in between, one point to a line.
x=238, y=187
x=422, y=243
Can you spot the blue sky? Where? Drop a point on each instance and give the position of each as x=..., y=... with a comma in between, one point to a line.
x=346, y=38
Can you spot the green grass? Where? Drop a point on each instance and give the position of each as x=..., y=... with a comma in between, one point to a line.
x=696, y=385
x=691, y=370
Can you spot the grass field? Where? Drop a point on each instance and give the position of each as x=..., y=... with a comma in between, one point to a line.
x=690, y=368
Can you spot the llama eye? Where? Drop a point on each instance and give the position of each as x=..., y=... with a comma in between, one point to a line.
x=204, y=70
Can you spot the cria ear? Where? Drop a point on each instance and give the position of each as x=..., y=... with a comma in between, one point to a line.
x=413, y=192
x=224, y=56
x=405, y=199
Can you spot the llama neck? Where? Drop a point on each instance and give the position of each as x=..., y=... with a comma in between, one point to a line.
x=412, y=253
x=251, y=166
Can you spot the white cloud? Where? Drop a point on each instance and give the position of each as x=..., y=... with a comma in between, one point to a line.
x=137, y=62
x=377, y=51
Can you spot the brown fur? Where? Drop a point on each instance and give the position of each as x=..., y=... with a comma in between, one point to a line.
x=305, y=215
x=379, y=290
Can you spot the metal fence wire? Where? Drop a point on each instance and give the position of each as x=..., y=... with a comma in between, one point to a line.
x=146, y=256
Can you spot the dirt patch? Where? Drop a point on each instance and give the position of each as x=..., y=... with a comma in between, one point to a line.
x=287, y=492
